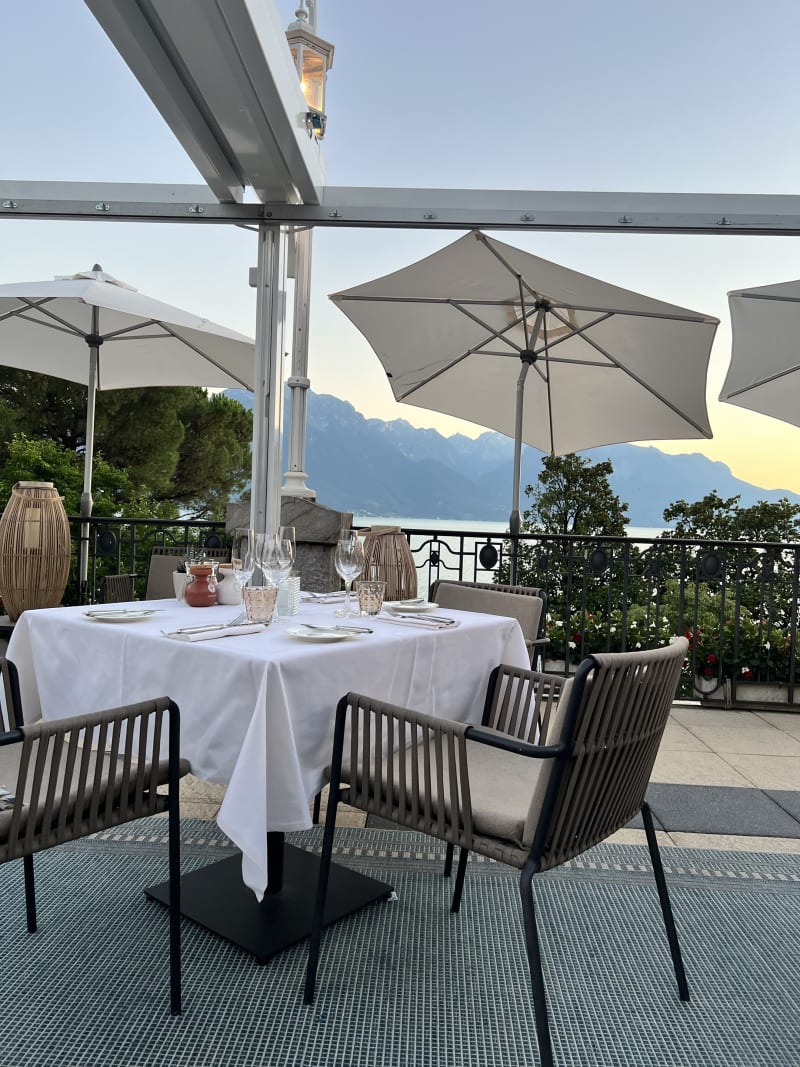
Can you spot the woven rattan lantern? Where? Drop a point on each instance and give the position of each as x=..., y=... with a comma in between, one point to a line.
x=388, y=558
x=34, y=548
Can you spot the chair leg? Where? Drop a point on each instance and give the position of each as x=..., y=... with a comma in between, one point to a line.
x=535, y=965
x=461, y=870
x=316, y=808
x=315, y=937
x=30, y=894
x=666, y=908
x=175, y=1000
x=448, y=860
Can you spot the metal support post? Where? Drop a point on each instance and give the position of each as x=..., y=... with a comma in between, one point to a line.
x=295, y=476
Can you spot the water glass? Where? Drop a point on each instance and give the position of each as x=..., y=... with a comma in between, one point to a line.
x=370, y=596
x=259, y=602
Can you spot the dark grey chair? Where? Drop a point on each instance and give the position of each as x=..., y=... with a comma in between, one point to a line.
x=572, y=756
x=66, y=778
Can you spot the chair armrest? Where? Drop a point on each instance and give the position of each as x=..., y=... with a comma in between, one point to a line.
x=511, y=744
x=403, y=765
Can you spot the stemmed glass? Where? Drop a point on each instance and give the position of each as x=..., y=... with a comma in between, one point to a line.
x=349, y=562
x=243, y=555
x=275, y=557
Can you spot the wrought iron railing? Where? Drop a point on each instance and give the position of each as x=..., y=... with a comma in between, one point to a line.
x=122, y=546
x=736, y=601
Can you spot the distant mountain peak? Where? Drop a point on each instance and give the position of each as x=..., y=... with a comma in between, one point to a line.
x=373, y=467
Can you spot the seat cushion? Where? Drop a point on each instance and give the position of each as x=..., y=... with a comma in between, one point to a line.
x=526, y=610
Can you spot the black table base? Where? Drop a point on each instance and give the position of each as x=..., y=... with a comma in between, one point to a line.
x=217, y=898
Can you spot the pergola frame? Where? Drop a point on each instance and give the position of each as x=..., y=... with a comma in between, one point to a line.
x=224, y=82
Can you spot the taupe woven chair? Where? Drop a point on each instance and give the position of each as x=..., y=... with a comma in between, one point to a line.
x=117, y=588
x=573, y=759
x=164, y=561
x=525, y=603
x=56, y=786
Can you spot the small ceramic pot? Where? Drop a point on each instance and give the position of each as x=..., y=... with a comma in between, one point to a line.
x=229, y=589
x=201, y=591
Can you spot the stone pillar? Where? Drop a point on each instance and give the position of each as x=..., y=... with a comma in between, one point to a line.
x=316, y=533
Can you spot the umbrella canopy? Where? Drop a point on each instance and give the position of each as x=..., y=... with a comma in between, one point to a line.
x=765, y=360
x=93, y=329
x=460, y=331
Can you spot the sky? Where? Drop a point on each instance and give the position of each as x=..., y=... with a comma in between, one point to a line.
x=630, y=95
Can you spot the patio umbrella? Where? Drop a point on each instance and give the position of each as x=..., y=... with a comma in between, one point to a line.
x=553, y=358
x=765, y=361
x=96, y=330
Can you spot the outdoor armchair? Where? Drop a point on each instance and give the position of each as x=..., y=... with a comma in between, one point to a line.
x=555, y=767
x=66, y=778
x=525, y=603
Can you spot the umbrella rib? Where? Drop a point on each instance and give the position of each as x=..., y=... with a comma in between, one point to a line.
x=205, y=356
x=29, y=305
x=761, y=381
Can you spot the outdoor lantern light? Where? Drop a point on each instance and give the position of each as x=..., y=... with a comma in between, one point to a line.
x=313, y=58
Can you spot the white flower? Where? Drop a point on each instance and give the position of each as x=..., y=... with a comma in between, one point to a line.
x=571, y=644
x=767, y=645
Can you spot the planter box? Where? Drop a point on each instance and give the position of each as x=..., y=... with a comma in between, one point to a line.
x=748, y=694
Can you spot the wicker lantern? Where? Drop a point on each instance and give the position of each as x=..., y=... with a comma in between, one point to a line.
x=35, y=548
x=387, y=557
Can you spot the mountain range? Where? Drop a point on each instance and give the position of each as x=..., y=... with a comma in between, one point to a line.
x=372, y=467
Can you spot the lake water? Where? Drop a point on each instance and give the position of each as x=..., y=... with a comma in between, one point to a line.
x=482, y=526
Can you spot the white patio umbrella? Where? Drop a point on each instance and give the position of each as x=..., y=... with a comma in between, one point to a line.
x=763, y=374
x=553, y=358
x=93, y=329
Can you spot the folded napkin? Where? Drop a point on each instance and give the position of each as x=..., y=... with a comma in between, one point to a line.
x=426, y=622
x=222, y=631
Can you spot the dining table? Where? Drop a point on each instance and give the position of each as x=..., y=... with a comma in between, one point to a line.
x=257, y=713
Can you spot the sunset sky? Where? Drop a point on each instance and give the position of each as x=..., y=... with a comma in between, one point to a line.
x=622, y=95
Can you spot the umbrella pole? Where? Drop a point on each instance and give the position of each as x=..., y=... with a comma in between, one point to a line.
x=87, y=503
x=515, y=521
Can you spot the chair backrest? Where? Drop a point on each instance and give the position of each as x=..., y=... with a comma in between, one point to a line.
x=117, y=588
x=528, y=610
x=517, y=590
x=77, y=775
x=164, y=561
x=611, y=724
x=11, y=717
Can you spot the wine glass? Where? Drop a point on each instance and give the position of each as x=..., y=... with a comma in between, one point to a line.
x=243, y=554
x=349, y=562
x=275, y=558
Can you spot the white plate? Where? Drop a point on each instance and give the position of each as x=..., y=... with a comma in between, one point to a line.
x=318, y=635
x=122, y=615
x=408, y=609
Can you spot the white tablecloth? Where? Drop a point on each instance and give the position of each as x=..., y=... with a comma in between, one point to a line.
x=257, y=710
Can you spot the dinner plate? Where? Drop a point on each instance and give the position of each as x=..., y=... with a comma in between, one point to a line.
x=319, y=635
x=122, y=615
x=407, y=609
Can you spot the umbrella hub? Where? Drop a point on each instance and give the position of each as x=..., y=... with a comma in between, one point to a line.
x=94, y=340
x=528, y=357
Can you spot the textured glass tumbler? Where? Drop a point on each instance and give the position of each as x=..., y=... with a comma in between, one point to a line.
x=370, y=596
x=259, y=602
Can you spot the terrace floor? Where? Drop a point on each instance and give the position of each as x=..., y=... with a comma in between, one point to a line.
x=723, y=780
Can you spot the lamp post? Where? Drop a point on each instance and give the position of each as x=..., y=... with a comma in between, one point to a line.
x=313, y=58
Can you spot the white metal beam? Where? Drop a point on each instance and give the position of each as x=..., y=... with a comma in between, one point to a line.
x=221, y=75
x=461, y=209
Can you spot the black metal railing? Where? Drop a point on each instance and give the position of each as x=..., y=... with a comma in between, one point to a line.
x=736, y=601
x=122, y=546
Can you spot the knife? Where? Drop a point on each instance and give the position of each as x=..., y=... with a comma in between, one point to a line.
x=342, y=629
